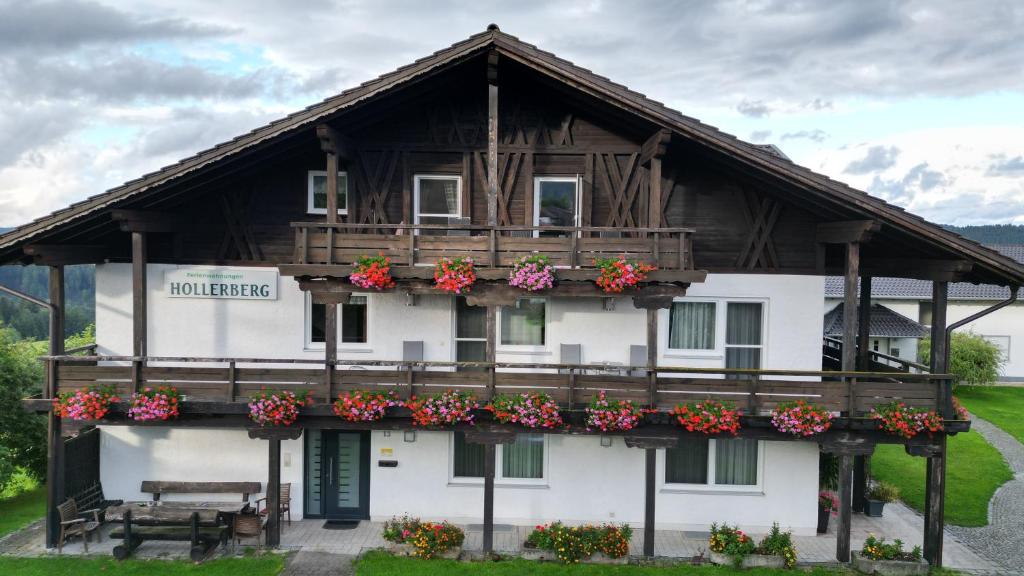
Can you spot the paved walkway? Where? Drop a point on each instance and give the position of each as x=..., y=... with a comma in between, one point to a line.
x=1002, y=541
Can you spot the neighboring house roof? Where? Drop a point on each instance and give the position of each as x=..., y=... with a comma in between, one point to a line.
x=987, y=263
x=885, y=323
x=905, y=288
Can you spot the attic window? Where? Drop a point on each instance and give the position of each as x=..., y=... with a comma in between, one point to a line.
x=316, y=192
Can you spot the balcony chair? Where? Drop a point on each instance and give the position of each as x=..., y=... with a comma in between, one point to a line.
x=284, y=507
x=74, y=523
x=248, y=526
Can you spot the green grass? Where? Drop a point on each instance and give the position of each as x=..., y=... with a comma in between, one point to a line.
x=1001, y=406
x=381, y=564
x=268, y=565
x=974, y=471
x=21, y=503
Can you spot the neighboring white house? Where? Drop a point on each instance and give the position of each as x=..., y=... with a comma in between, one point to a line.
x=912, y=298
x=890, y=332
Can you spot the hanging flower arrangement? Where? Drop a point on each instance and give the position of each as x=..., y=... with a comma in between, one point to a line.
x=898, y=419
x=533, y=410
x=959, y=410
x=708, y=416
x=613, y=415
x=277, y=408
x=364, y=405
x=445, y=409
x=801, y=419
x=158, y=404
x=617, y=274
x=91, y=403
x=454, y=275
x=532, y=273
x=372, y=272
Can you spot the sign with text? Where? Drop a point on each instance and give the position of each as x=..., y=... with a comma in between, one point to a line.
x=223, y=283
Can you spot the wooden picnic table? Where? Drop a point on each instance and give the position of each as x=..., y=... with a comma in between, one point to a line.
x=165, y=513
x=204, y=524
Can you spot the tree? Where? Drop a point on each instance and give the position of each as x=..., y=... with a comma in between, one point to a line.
x=973, y=359
x=22, y=434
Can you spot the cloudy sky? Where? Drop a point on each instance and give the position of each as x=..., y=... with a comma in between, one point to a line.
x=920, y=103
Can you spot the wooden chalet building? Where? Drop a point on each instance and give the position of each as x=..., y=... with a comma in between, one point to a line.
x=493, y=148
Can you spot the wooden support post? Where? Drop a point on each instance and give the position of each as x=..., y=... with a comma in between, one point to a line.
x=654, y=203
x=332, y=190
x=850, y=307
x=652, y=357
x=490, y=350
x=489, y=463
x=492, y=139
x=935, y=472
x=54, y=440
x=138, y=294
x=650, y=493
x=330, y=347
x=274, y=493
x=845, y=510
x=860, y=462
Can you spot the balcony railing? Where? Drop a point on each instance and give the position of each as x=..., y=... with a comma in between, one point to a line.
x=320, y=243
x=228, y=381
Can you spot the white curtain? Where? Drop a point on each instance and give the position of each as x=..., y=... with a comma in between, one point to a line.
x=687, y=463
x=451, y=196
x=692, y=326
x=736, y=462
x=524, y=457
x=743, y=335
x=523, y=323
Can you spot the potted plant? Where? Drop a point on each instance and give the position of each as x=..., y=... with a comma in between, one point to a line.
x=372, y=272
x=532, y=273
x=407, y=536
x=617, y=274
x=454, y=275
x=364, y=405
x=828, y=505
x=728, y=545
x=277, y=408
x=158, y=404
x=708, y=416
x=90, y=403
x=880, y=494
x=878, y=557
x=898, y=419
x=801, y=419
x=600, y=544
x=613, y=415
x=532, y=410
x=449, y=407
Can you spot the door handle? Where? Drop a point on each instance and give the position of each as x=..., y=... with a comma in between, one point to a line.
x=330, y=471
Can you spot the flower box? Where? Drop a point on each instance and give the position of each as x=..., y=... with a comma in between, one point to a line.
x=410, y=551
x=888, y=567
x=602, y=558
x=749, y=561
x=540, y=555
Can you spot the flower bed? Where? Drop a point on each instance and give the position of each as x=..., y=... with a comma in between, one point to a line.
x=613, y=415
x=412, y=537
x=532, y=273
x=91, y=403
x=575, y=544
x=708, y=416
x=898, y=419
x=277, y=408
x=159, y=404
x=533, y=410
x=878, y=557
x=617, y=274
x=730, y=545
x=364, y=405
x=801, y=419
x=454, y=275
x=445, y=409
x=372, y=272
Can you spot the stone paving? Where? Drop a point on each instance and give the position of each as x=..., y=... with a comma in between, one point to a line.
x=1002, y=541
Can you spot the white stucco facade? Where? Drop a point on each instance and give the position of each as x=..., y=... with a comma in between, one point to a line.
x=584, y=481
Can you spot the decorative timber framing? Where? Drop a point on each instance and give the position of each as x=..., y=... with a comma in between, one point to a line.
x=651, y=155
x=239, y=242
x=760, y=214
x=621, y=186
x=492, y=138
x=374, y=182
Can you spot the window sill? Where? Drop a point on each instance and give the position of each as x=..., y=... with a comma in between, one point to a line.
x=711, y=491
x=540, y=485
x=524, y=351
x=685, y=354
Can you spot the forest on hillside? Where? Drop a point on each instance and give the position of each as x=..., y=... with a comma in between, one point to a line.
x=991, y=233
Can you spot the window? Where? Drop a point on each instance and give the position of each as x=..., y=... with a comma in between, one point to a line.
x=316, y=184
x=721, y=463
x=555, y=203
x=924, y=312
x=470, y=332
x=438, y=199
x=520, y=460
x=691, y=326
x=1001, y=342
x=894, y=352
x=352, y=322
x=743, y=334
x=523, y=323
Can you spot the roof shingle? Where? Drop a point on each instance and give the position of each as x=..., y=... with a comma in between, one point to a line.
x=885, y=323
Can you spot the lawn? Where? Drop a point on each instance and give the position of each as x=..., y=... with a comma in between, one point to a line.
x=268, y=565
x=21, y=505
x=380, y=564
x=974, y=471
x=1001, y=406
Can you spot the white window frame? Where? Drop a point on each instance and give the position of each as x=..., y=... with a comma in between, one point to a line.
x=757, y=488
x=417, y=178
x=537, y=180
x=499, y=478
x=995, y=339
x=307, y=329
x=455, y=331
x=310, y=175
x=763, y=346
x=718, y=345
x=525, y=348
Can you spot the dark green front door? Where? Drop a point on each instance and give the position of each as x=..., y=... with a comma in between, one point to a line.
x=345, y=475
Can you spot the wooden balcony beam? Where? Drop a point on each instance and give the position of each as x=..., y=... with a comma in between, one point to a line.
x=656, y=146
x=333, y=142
x=60, y=255
x=150, y=221
x=846, y=232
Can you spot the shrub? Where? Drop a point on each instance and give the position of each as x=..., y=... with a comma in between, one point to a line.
x=972, y=359
x=877, y=549
x=571, y=544
x=778, y=543
x=884, y=492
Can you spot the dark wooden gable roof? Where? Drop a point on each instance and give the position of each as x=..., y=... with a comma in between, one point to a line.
x=989, y=265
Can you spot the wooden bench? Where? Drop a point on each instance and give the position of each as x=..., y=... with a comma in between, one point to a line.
x=158, y=487
x=202, y=538
x=92, y=498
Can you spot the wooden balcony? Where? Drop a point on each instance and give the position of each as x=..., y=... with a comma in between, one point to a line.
x=217, y=389
x=328, y=250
